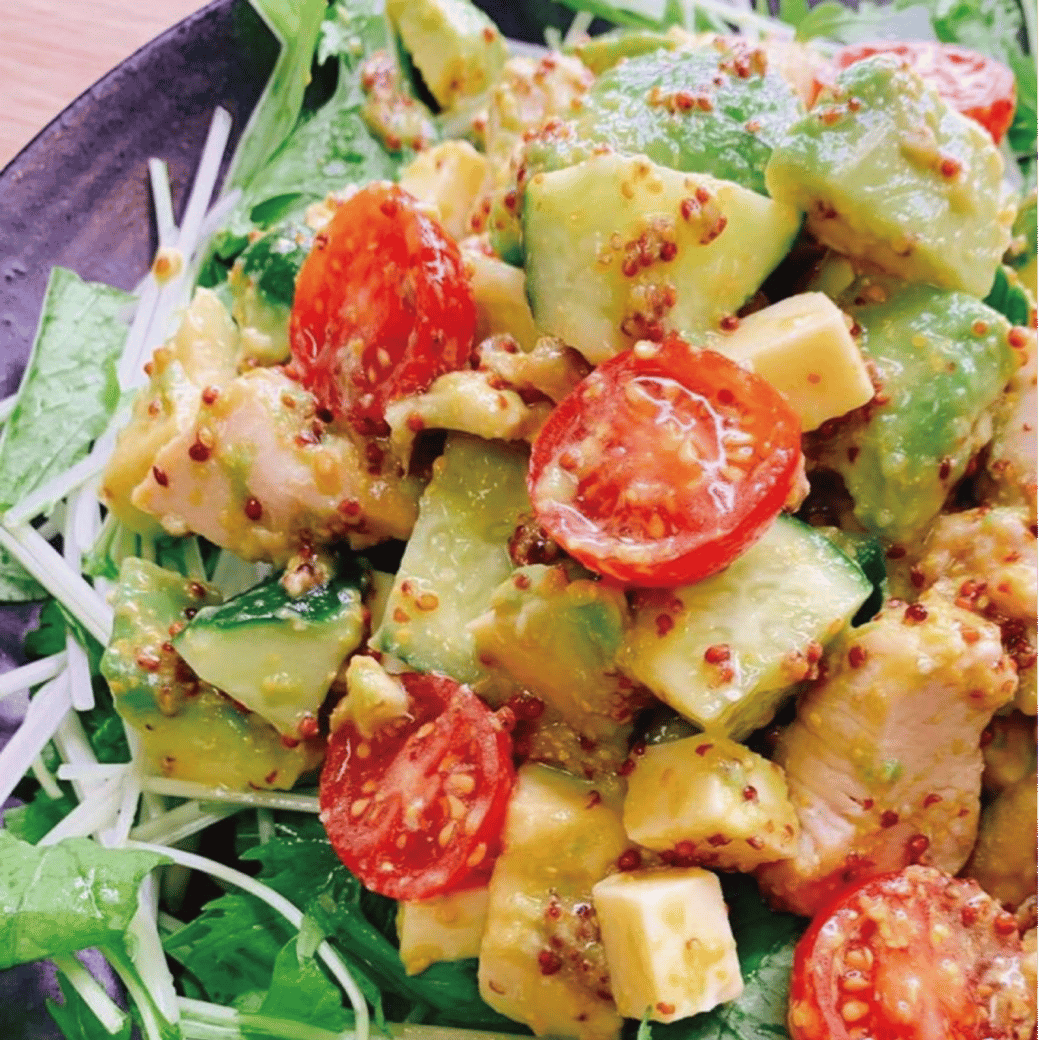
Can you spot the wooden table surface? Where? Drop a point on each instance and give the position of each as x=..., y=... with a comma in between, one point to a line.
x=52, y=50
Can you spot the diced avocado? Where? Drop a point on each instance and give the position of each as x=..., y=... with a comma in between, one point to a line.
x=454, y=45
x=557, y=638
x=941, y=360
x=444, y=928
x=448, y=177
x=374, y=697
x=263, y=284
x=618, y=249
x=803, y=346
x=500, y=296
x=188, y=729
x=726, y=651
x=887, y=171
x=457, y=556
x=710, y=110
x=201, y=353
x=712, y=801
x=277, y=654
x=669, y=944
x=559, y=841
x=604, y=51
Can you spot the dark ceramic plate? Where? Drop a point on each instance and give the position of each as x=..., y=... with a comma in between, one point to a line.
x=78, y=196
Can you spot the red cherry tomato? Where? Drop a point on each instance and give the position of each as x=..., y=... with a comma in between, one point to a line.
x=382, y=307
x=916, y=955
x=417, y=809
x=664, y=464
x=979, y=87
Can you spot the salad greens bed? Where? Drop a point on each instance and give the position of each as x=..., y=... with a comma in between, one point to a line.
x=242, y=967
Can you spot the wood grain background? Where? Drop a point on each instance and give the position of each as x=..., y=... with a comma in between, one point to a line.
x=52, y=50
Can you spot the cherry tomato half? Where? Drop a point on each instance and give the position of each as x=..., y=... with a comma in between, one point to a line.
x=979, y=87
x=916, y=955
x=418, y=809
x=382, y=307
x=664, y=464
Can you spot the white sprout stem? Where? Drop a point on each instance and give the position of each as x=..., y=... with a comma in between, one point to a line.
x=45, y=779
x=743, y=18
x=277, y=902
x=162, y=201
x=218, y=213
x=256, y=799
x=180, y=823
x=94, y=772
x=264, y=825
x=204, y=1021
x=120, y=830
x=71, y=741
x=45, y=713
x=148, y=955
x=205, y=181
x=7, y=407
x=94, y=996
x=88, y=817
x=51, y=528
x=79, y=668
x=578, y=28
x=55, y=489
x=18, y=680
x=45, y=564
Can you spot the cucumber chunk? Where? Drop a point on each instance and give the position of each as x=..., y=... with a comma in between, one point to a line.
x=457, y=556
x=725, y=651
x=274, y=654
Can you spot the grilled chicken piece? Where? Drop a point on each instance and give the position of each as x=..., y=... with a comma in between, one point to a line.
x=259, y=474
x=1010, y=477
x=883, y=761
x=986, y=560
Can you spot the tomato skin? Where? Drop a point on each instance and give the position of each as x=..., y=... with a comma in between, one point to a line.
x=382, y=307
x=979, y=87
x=672, y=460
x=417, y=810
x=913, y=955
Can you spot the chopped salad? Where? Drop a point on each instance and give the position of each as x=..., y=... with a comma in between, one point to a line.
x=556, y=547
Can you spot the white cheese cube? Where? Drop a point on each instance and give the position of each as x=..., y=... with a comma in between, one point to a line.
x=711, y=801
x=802, y=345
x=446, y=928
x=447, y=177
x=668, y=942
x=500, y=297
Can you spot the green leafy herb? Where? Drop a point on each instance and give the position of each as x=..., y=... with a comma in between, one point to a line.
x=65, y=897
x=1009, y=297
x=66, y=398
x=32, y=821
x=296, y=24
x=75, y=1019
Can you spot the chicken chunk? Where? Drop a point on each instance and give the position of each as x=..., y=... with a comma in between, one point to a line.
x=883, y=761
x=985, y=560
x=1010, y=477
x=259, y=474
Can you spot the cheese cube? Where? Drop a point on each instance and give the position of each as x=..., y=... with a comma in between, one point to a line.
x=668, y=942
x=710, y=800
x=447, y=177
x=445, y=928
x=802, y=345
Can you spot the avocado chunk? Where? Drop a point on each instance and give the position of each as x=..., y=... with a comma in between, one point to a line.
x=557, y=638
x=558, y=842
x=188, y=729
x=727, y=651
x=619, y=249
x=457, y=556
x=277, y=654
x=888, y=172
x=941, y=360
x=604, y=51
x=713, y=110
x=454, y=45
x=263, y=284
